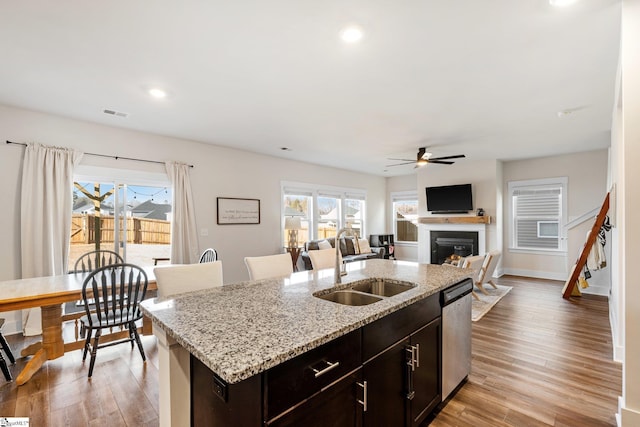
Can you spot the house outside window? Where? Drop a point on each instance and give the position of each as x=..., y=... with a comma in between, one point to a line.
x=405, y=216
x=537, y=214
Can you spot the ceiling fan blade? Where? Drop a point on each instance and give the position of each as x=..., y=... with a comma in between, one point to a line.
x=399, y=164
x=441, y=162
x=401, y=160
x=458, y=156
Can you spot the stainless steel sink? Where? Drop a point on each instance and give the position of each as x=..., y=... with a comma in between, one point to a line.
x=366, y=291
x=348, y=297
x=382, y=287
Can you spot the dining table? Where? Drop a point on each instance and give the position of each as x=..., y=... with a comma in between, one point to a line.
x=50, y=293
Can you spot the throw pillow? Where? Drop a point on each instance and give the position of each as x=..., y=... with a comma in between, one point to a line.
x=356, y=246
x=324, y=244
x=364, y=246
x=348, y=241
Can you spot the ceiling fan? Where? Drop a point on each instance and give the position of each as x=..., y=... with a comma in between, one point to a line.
x=424, y=157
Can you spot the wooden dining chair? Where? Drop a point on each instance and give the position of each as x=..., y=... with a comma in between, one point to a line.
x=180, y=278
x=488, y=268
x=474, y=263
x=7, y=350
x=268, y=267
x=209, y=255
x=118, y=289
x=95, y=259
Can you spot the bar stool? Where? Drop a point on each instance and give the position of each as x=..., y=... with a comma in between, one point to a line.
x=7, y=350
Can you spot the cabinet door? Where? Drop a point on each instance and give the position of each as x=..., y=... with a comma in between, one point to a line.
x=339, y=405
x=386, y=375
x=426, y=373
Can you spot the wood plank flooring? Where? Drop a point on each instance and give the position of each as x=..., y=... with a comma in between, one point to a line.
x=538, y=360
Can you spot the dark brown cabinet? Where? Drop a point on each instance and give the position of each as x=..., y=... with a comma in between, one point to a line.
x=387, y=389
x=386, y=373
x=340, y=405
x=424, y=372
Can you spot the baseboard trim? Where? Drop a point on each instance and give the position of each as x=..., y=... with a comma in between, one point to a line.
x=535, y=274
x=626, y=417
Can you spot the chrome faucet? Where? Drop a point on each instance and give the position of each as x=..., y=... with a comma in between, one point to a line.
x=338, y=270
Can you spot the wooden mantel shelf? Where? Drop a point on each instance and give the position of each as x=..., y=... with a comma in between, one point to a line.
x=455, y=220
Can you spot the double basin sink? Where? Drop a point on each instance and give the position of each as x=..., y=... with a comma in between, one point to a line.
x=365, y=292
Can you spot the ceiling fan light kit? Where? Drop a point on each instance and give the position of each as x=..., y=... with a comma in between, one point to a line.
x=423, y=157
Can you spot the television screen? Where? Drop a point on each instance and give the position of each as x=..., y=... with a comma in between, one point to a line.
x=449, y=199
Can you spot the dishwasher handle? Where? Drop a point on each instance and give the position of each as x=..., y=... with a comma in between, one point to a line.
x=455, y=292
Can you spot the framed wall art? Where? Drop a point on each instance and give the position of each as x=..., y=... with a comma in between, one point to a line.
x=238, y=211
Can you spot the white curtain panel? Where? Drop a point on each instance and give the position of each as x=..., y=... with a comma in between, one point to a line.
x=184, y=236
x=47, y=201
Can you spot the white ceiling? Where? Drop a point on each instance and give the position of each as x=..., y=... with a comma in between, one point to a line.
x=486, y=78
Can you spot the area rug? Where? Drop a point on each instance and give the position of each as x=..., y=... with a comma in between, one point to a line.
x=481, y=307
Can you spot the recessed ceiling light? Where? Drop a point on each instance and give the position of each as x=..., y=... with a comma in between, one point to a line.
x=157, y=93
x=351, y=34
x=562, y=3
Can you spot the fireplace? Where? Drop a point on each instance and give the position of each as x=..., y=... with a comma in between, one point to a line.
x=449, y=245
x=475, y=226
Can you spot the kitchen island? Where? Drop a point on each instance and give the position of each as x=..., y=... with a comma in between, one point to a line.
x=242, y=332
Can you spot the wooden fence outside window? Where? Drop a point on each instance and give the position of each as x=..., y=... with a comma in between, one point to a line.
x=139, y=230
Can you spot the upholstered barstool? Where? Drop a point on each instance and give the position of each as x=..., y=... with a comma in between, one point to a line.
x=268, y=267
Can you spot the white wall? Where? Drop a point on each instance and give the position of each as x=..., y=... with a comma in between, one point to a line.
x=587, y=173
x=627, y=207
x=218, y=172
x=484, y=178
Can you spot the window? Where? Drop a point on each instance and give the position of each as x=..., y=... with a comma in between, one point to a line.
x=322, y=210
x=354, y=214
x=537, y=212
x=115, y=214
x=328, y=216
x=298, y=205
x=405, y=216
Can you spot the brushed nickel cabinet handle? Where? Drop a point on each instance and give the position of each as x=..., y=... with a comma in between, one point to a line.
x=363, y=402
x=330, y=366
x=417, y=354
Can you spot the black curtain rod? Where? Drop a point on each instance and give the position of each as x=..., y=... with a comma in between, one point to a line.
x=105, y=155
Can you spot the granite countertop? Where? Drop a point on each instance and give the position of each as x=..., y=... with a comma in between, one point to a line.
x=242, y=329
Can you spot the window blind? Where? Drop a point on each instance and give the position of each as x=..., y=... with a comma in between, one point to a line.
x=531, y=206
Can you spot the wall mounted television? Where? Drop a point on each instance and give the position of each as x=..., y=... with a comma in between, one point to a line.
x=449, y=199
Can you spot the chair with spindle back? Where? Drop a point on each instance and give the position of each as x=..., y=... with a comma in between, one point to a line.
x=118, y=289
x=7, y=350
x=95, y=259
x=209, y=255
x=87, y=262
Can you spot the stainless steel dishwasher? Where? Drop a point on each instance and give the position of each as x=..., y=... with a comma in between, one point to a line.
x=456, y=335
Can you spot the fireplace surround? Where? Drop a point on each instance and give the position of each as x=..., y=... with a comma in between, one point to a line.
x=429, y=225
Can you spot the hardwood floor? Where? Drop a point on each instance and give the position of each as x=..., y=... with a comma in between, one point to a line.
x=538, y=360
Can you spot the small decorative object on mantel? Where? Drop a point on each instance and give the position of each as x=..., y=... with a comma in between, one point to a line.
x=238, y=211
x=480, y=212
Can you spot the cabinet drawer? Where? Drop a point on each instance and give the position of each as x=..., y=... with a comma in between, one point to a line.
x=386, y=331
x=293, y=381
